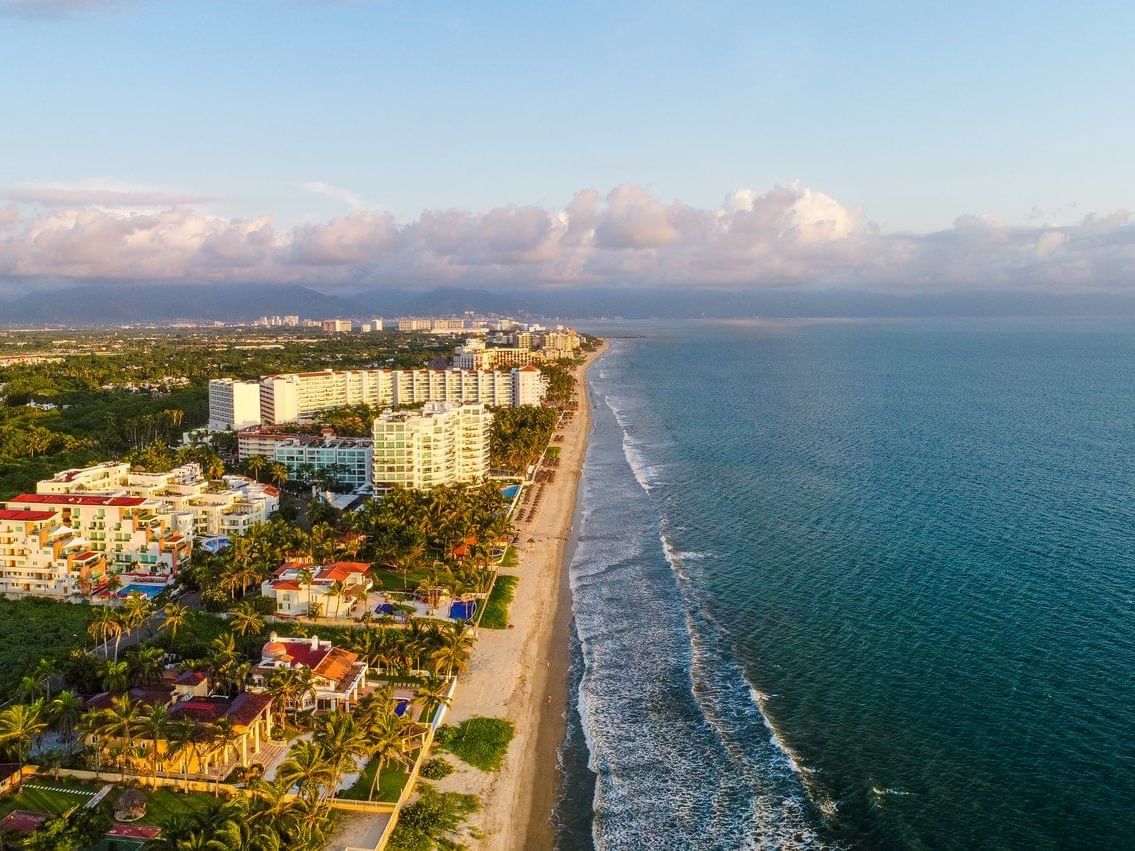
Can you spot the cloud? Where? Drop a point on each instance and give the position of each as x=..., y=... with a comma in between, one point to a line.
x=785, y=236
x=54, y=8
x=337, y=192
x=98, y=196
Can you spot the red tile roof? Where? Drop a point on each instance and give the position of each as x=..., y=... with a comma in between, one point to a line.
x=302, y=654
x=286, y=585
x=340, y=570
x=133, y=831
x=190, y=678
x=76, y=499
x=247, y=707
x=22, y=821
x=25, y=514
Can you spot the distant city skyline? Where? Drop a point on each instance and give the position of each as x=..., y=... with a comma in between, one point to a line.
x=359, y=144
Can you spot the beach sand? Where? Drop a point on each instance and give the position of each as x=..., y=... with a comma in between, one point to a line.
x=522, y=673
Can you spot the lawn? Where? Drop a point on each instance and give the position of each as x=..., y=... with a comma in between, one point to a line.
x=35, y=628
x=481, y=742
x=49, y=803
x=552, y=452
x=166, y=803
x=391, y=580
x=511, y=557
x=390, y=783
x=495, y=615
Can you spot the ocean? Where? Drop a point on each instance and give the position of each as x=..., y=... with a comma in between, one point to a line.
x=855, y=585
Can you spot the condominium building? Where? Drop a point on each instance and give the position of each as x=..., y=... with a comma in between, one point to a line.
x=494, y=357
x=41, y=556
x=442, y=444
x=196, y=505
x=90, y=534
x=414, y=324
x=529, y=385
x=233, y=404
x=351, y=459
x=296, y=396
x=335, y=326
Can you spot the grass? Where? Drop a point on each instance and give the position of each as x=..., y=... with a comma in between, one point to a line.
x=511, y=557
x=481, y=742
x=495, y=615
x=34, y=629
x=391, y=580
x=165, y=803
x=552, y=452
x=390, y=783
x=47, y=802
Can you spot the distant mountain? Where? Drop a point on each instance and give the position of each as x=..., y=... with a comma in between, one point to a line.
x=115, y=304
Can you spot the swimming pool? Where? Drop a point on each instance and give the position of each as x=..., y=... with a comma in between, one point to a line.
x=510, y=491
x=150, y=591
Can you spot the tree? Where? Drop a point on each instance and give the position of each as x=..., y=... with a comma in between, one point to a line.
x=145, y=665
x=65, y=710
x=278, y=473
x=176, y=617
x=256, y=465
x=338, y=590
x=455, y=648
x=388, y=744
x=245, y=620
x=21, y=724
x=309, y=767
x=154, y=724
x=115, y=676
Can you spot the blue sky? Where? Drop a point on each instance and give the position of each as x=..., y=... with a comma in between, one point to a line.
x=909, y=115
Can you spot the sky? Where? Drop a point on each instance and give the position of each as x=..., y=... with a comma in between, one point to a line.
x=366, y=143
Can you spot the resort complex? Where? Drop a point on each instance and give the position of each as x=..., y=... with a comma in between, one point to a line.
x=263, y=668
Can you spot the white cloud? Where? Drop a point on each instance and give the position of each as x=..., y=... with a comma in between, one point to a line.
x=785, y=236
x=319, y=187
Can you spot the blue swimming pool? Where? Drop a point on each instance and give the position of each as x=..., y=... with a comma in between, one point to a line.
x=510, y=491
x=150, y=591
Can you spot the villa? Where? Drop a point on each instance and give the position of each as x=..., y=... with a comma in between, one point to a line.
x=332, y=589
x=338, y=676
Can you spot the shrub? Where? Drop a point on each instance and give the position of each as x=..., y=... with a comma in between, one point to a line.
x=481, y=742
x=436, y=769
x=496, y=608
x=424, y=822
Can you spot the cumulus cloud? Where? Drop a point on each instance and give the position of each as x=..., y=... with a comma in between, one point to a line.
x=784, y=236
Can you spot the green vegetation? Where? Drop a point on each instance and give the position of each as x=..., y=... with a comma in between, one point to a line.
x=436, y=768
x=481, y=742
x=561, y=382
x=35, y=629
x=495, y=615
x=117, y=392
x=392, y=782
x=46, y=801
x=511, y=557
x=164, y=804
x=552, y=452
x=519, y=436
x=425, y=822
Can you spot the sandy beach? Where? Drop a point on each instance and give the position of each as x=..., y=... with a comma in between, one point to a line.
x=522, y=673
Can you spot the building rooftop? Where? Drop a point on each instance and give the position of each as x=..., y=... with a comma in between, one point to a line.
x=26, y=515
x=77, y=499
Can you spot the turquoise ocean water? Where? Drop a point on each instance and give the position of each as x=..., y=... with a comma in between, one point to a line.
x=860, y=585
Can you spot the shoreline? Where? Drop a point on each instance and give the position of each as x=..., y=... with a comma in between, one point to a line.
x=522, y=673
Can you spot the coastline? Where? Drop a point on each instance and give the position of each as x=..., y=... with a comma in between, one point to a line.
x=522, y=673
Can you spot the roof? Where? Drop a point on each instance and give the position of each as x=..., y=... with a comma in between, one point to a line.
x=77, y=499
x=340, y=570
x=26, y=515
x=529, y=368
x=247, y=707
x=133, y=831
x=336, y=665
x=190, y=678
x=22, y=821
x=286, y=585
x=148, y=695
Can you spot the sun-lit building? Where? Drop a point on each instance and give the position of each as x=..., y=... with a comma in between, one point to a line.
x=443, y=443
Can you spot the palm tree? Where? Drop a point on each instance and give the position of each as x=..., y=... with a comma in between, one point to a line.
x=176, y=617
x=455, y=648
x=431, y=693
x=388, y=745
x=310, y=768
x=255, y=465
x=215, y=468
x=122, y=721
x=182, y=738
x=344, y=741
x=278, y=473
x=30, y=688
x=145, y=665
x=246, y=619
x=115, y=676
x=338, y=590
x=102, y=625
x=155, y=726
x=20, y=726
x=64, y=711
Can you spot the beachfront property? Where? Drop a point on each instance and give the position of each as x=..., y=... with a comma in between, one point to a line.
x=233, y=404
x=291, y=397
x=338, y=676
x=199, y=506
x=351, y=459
x=442, y=444
x=247, y=718
x=334, y=588
x=64, y=545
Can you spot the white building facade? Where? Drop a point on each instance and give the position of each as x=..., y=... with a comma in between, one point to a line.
x=233, y=405
x=444, y=443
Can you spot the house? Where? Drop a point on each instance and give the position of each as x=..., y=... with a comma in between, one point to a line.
x=333, y=588
x=338, y=675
